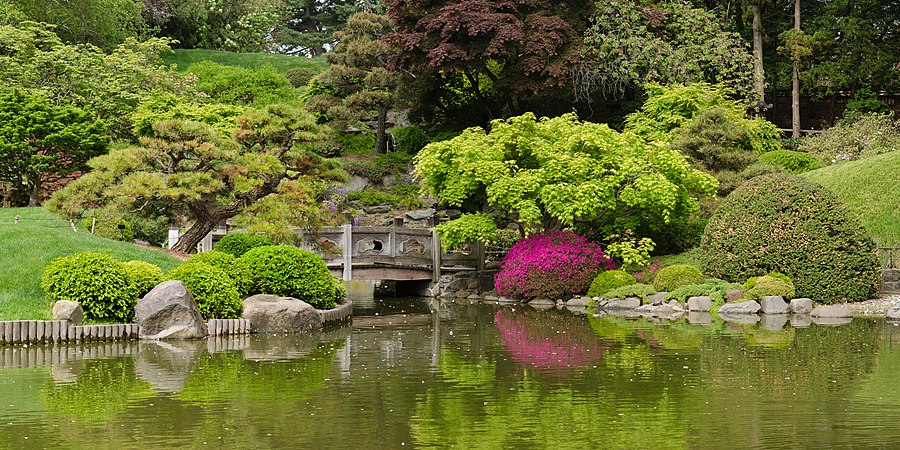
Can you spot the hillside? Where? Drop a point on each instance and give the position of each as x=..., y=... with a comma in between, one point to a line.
x=183, y=58
x=871, y=188
x=26, y=248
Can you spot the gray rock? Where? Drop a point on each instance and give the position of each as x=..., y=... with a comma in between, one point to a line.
x=675, y=305
x=380, y=209
x=699, y=304
x=732, y=295
x=801, y=320
x=453, y=213
x=831, y=311
x=699, y=318
x=491, y=298
x=169, y=312
x=801, y=306
x=474, y=297
x=542, y=302
x=893, y=313
x=831, y=321
x=774, y=322
x=618, y=303
x=507, y=300
x=773, y=304
x=657, y=298
x=581, y=301
x=273, y=314
x=749, y=307
x=420, y=214
x=461, y=294
x=68, y=310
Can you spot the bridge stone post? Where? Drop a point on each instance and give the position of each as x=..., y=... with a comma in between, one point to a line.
x=347, y=250
x=435, y=256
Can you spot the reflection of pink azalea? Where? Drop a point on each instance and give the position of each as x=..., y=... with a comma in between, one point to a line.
x=547, y=340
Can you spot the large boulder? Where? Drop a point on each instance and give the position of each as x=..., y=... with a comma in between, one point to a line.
x=169, y=312
x=893, y=312
x=831, y=311
x=68, y=310
x=748, y=307
x=801, y=306
x=699, y=304
x=618, y=303
x=773, y=304
x=273, y=314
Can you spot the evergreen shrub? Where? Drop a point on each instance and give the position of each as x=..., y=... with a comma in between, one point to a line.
x=608, y=280
x=95, y=280
x=770, y=284
x=212, y=289
x=670, y=278
x=239, y=243
x=239, y=274
x=791, y=161
x=639, y=290
x=144, y=276
x=292, y=272
x=783, y=222
x=550, y=265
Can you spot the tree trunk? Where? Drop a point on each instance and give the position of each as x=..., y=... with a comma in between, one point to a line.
x=759, y=80
x=34, y=190
x=189, y=240
x=380, y=133
x=795, y=85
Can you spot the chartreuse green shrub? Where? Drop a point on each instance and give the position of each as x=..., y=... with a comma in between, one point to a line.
x=714, y=288
x=783, y=222
x=239, y=243
x=239, y=274
x=639, y=290
x=608, y=280
x=291, y=272
x=212, y=289
x=670, y=278
x=772, y=284
x=791, y=161
x=95, y=280
x=144, y=275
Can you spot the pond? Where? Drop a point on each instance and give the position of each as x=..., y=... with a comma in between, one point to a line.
x=422, y=373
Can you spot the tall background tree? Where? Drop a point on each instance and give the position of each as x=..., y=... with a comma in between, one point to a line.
x=308, y=26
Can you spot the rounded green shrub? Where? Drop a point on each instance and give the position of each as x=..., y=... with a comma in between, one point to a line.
x=239, y=243
x=609, y=280
x=144, y=275
x=95, y=280
x=300, y=76
x=769, y=285
x=783, y=222
x=791, y=161
x=291, y=272
x=235, y=269
x=638, y=290
x=670, y=278
x=212, y=289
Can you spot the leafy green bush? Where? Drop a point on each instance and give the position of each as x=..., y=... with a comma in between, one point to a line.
x=865, y=101
x=865, y=136
x=373, y=197
x=783, y=222
x=791, y=161
x=639, y=290
x=609, y=280
x=95, y=280
x=468, y=228
x=239, y=274
x=300, y=76
x=239, y=243
x=212, y=289
x=233, y=85
x=383, y=165
x=291, y=272
x=144, y=275
x=714, y=288
x=357, y=144
x=409, y=139
x=769, y=285
x=670, y=278
x=108, y=223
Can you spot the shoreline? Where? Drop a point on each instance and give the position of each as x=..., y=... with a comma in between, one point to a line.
x=874, y=308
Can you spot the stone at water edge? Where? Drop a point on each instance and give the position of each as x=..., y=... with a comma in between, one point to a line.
x=893, y=312
x=748, y=307
x=273, y=314
x=699, y=304
x=773, y=304
x=542, y=302
x=68, y=310
x=801, y=306
x=169, y=312
x=618, y=303
x=657, y=298
x=833, y=311
x=581, y=301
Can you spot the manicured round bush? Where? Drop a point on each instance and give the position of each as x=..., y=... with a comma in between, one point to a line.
x=144, y=275
x=673, y=277
x=95, y=280
x=550, y=265
x=769, y=285
x=791, y=161
x=638, y=290
x=783, y=222
x=608, y=280
x=291, y=272
x=239, y=243
x=239, y=274
x=714, y=288
x=212, y=289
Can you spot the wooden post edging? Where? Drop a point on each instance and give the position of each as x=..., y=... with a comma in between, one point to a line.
x=223, y=327
x=338, y=314
x=60, y=331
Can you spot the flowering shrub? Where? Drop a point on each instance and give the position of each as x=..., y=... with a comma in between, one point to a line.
x=550, y=265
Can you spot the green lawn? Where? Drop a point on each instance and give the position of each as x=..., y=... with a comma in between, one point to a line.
x=26, y=248
x=871, y=188
x=183, y=58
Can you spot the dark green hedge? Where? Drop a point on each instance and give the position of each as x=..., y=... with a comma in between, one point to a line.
x=784, y=223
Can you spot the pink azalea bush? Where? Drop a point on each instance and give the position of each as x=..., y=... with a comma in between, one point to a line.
x=550, y=265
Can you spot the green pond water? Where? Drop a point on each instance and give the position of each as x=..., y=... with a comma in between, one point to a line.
x=436, y=374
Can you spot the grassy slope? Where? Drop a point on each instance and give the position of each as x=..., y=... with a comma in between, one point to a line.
x=871, y=188
x=183, y=58
x=26, y=248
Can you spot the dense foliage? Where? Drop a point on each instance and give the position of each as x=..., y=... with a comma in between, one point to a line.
x=791, y=161
x=212, y=288
x=638, y=290
x=145, y=276
x=857, y=138
x=550, y=265
x=609, y=280
x=291, y=272
x=714, y=288
x=238, y=273
x=239, y=243
x=673, y=277
x=758, y=287
x=95, y=280
x=785, y=223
